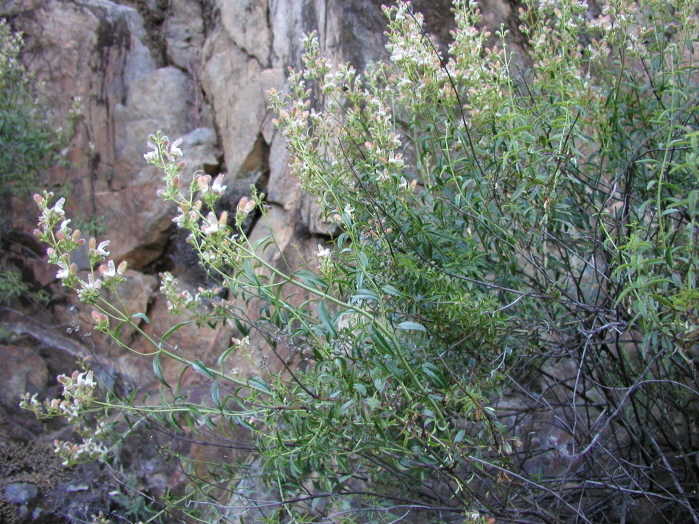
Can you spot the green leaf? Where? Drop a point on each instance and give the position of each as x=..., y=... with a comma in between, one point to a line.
x=361, y=389
x=222, y=358
x=325, y=318
x=242, y=422
x=142, y=316
x=259, y=384
x=411, y=326
x=210, y=423
x=260, y=241
x=158, y=371
x=173, y=329
x=215, y=394
x=381, y=343
x=344, y=465
x=117, y=330
x=434, y=374
x=311, y=279
x=199, y=366
x=364, y=294
x=390, y=290
x=250, y=272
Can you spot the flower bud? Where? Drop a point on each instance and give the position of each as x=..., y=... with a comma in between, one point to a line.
x=101, y=320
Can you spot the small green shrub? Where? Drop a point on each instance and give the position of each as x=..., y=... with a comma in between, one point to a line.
x=496, y=223
x=27, y=144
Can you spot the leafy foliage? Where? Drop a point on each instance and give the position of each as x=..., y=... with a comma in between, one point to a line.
x=27, y=143
x=514, y=278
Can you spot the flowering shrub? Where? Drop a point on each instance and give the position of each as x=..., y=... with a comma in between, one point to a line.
x=505, y=328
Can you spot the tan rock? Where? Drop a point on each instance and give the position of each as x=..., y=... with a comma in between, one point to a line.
x=23, y=371
x=131, y=297
x=236, y=85
x=245, y=22
x=184, y=33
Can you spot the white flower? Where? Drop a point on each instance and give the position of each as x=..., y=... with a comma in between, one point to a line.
x=174, y=150
x=86, y=380
x=101, y=248
x=322, y=252
x=210, y=224
x=349, y=210
x=64, y=272
x=218, y=187
x=151, y=156
x=58, y=207
x=92, y=284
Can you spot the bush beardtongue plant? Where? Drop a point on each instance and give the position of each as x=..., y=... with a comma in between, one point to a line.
x=497, y=224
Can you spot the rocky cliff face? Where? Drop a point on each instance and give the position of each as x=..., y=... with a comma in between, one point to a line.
x=192, y=68
x=199, y=69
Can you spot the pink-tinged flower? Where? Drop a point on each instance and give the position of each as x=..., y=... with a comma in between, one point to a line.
x=202, y=182
x=244, y=207
x=218, y=187
x=211, y=225
x=108, y=271
x=99, y=317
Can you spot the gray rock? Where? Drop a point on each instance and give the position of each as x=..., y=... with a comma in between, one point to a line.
x=20, y=492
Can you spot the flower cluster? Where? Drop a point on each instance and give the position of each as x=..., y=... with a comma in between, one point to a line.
x=77, y=399
x=178, y=301
x=78, y=390
x=88, y=450
x=209, y=230
x=55, y=230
